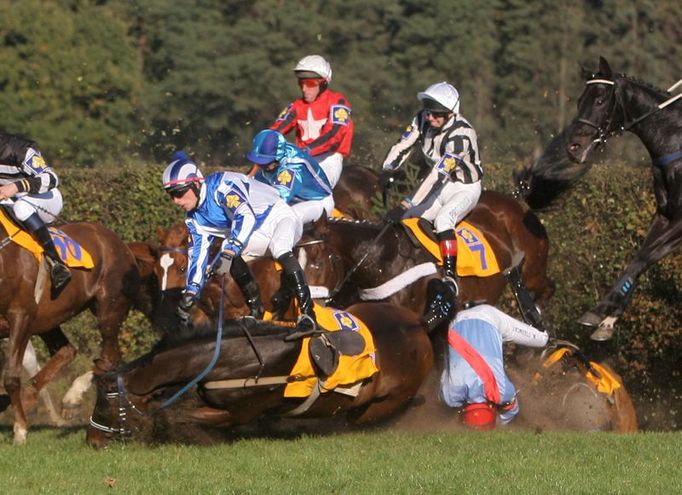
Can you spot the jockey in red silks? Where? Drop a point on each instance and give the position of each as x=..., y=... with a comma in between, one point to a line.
x=321, y=117
x=474, y=378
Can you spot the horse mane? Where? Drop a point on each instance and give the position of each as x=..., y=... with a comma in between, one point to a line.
x=232, y=329
x=634, y=80
x=364, y=223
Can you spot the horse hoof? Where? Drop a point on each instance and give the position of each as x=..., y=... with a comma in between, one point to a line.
x=20, y=435
x=590, y=319
x=70, y=412
x=605, y=330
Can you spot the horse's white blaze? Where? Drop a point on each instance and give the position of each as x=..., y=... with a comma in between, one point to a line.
x=74, y=396
x=302, y=258
x=166, y=262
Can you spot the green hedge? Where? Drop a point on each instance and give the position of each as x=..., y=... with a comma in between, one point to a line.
x=594, y=231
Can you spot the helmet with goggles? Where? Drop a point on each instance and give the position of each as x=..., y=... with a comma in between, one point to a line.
x=314, y=67
x=441, y=97
x=268, y=146
x=181, y=174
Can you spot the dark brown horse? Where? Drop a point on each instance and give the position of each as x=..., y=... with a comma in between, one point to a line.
x=511, y=230
x=355, y=191
x=610, y=104
x=127, y=400
x=26, y=307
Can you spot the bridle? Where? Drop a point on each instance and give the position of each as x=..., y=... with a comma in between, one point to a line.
x=124, y=404
x=603, y=130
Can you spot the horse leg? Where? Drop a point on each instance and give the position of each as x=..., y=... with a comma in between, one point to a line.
x=663, y=237
x=111, y=312
x=72, y=400
x=32, y=366
x=18, y=339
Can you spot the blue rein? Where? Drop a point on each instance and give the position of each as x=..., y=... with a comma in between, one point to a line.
x=667, y=159
x=214, y=359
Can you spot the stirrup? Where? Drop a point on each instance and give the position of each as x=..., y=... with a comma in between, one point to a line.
x=452, y=283
x=60, y=275
x=303, y=333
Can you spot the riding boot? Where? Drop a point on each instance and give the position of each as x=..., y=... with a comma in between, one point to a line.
x=247, y=284
x=307, y=323
x=59, y=272
x=448, y=251
x=281, y=299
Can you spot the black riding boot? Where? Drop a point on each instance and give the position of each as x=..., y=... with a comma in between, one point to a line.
x=448, y=251
x=247, y=284
x=59, y=272
x=281, y=299
x=307, y=323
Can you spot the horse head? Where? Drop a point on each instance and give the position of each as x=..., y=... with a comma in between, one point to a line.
x=565, y=159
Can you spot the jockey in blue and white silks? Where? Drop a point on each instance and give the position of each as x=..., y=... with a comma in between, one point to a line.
x=474, y=374
x=296, y=175
x=251, y=219
x=235, y=207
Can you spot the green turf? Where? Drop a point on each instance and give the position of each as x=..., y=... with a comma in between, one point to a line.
x=57, y=461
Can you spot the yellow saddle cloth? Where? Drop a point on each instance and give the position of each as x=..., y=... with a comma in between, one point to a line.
x=603, y=381
x=69, y=250
x=351, y=369
x=475, y=257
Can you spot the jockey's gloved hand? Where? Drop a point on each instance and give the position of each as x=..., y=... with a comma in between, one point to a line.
x=386, y=179
x=222, y=266
x=185, y=305
x=395, y=215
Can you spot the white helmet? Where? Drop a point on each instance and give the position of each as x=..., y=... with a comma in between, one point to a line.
x=313, y=65
x=181, y=173
x=440, y=97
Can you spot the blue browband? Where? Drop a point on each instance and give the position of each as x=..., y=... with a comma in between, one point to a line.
x=667, y=159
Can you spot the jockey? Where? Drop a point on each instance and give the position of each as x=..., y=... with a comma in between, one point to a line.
x=296, y=175
x=250, y=218
x=452, y=188
x=28, y=187
x=474, y=378
x=321, y=117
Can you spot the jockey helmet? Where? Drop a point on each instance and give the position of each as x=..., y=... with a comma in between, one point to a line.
x=313, y=67
x=181, y=173
x=268, y=146
x=479, y=416
x=440, y=97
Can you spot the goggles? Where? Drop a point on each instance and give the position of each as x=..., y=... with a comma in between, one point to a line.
x=180, y=192
x=310, y=83
x=436, y=114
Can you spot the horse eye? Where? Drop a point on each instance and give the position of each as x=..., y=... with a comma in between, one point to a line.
x=600, y=101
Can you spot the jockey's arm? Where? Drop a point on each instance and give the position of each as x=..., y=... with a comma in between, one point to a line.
x=513, y=330
x=286, y=121
x=400, y=151
x=197, y=258
x=243, y=225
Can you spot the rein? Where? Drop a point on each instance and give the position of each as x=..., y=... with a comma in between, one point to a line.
x=603, y=132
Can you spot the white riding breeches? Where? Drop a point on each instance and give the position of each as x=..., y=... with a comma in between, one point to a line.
x=48, y=205
x=453, y=202
x=310, y=211
x=332, y=164
x=280, y=232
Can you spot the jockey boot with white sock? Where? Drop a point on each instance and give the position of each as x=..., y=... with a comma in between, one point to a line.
x=59, y=272
x=448, y=251
x=307, y=324
x=247, y=284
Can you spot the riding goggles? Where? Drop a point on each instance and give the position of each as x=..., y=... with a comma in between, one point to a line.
x=179, y=192
x=310, y=83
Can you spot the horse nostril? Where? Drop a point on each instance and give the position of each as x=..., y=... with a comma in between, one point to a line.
x=573, y=147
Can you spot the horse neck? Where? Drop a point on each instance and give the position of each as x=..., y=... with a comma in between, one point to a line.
x=237, y=359
x=660, y=132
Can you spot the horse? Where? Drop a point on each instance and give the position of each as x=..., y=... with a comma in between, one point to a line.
x=108, y=290
x=129, y=399
x=355, y=191
x=386, y=265
x=610, y=104
x=163, y=272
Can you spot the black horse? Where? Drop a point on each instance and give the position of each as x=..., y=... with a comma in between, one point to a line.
x=610, y=104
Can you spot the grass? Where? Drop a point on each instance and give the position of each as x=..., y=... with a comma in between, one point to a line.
x=58, y=461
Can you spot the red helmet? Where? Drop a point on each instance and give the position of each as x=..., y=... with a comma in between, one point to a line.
x=480, y=417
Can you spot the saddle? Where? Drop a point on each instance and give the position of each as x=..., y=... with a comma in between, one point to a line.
x=475, y=256
x=326, y=349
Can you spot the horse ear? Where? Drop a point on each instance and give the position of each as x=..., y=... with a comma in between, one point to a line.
x=604, y=68
x=321, y=225
x=585, y=73
x=161, y=234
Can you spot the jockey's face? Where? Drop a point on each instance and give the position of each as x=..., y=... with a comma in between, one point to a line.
x=437, y=119
x=310, y=89
x=187, y=201
x=271, y=166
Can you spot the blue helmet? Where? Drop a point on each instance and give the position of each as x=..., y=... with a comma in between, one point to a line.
x=268, y=146
x=181, y=173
